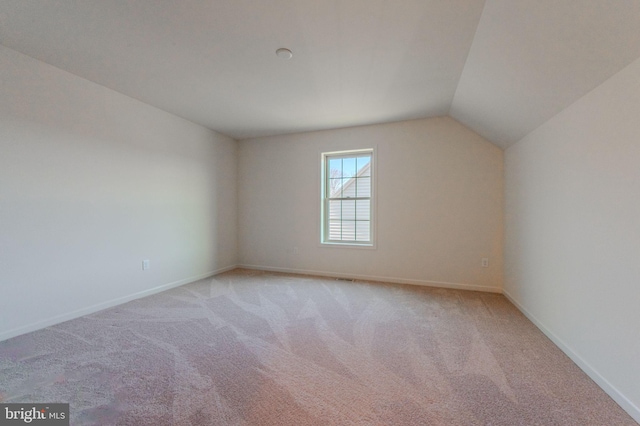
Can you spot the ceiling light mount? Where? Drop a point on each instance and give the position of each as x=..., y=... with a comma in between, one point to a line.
x=284, y=53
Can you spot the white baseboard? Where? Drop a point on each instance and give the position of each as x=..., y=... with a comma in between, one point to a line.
x=606, y=386
x=439, y=284
x=105, y=305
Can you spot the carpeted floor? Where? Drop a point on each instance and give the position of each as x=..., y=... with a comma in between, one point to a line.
x=253, y=348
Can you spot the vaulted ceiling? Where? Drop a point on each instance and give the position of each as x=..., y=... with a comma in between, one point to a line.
x=501, y=67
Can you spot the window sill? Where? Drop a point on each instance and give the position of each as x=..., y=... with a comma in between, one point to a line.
x=368, y=246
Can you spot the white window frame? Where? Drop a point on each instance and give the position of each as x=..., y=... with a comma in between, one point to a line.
x=324, y=204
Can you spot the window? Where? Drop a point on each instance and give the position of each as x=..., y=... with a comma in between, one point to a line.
x=347, y=189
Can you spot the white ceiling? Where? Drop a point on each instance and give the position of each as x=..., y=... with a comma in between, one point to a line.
x=530, y=59
x=502, y=68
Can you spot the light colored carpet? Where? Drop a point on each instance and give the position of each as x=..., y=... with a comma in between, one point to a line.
x=253, y=348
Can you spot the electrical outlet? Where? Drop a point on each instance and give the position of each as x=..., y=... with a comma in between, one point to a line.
x=145, y=265
x=484, y=262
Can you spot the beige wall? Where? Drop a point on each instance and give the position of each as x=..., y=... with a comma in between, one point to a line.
x=573, y=232
x=439, y=204
x=93, y=182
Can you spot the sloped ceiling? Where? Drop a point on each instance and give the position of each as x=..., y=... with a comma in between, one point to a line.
x=531, y=59
x=502, y=67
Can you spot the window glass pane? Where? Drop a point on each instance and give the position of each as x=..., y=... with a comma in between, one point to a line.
x=335, y=230
x=364, y=187
x=348, y=230
x=348, y=187
x=335, y=188
x=363, y=210
x=335, y=167
x=335, y=210
x=361, y=163
x=348, y=167
x=349, y=210
x=363, y=230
